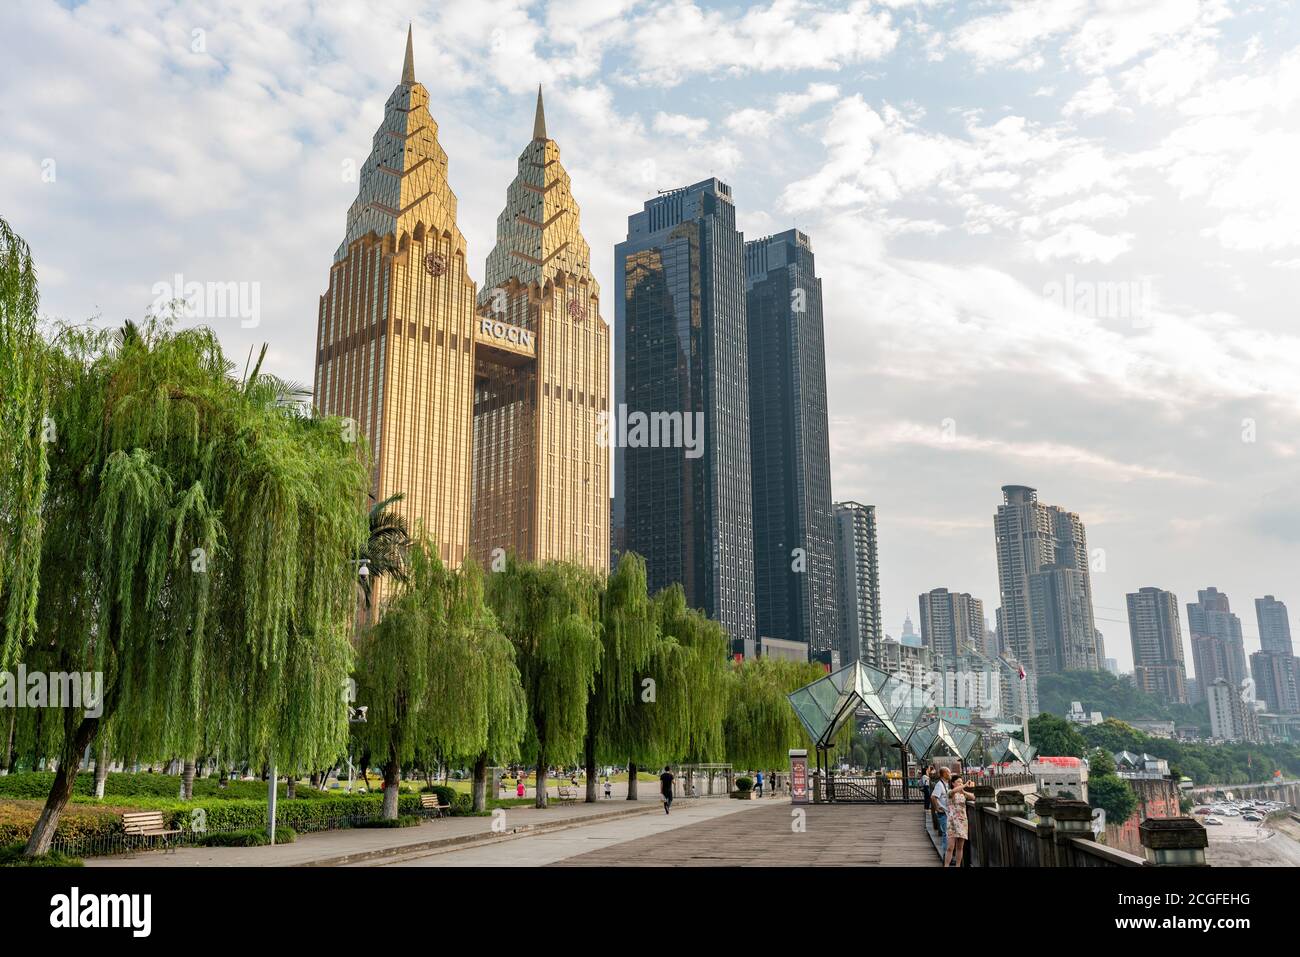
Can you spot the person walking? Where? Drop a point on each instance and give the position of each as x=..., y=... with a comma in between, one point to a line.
x=758, y=783
x=666, y=788
x=925, y=795
x=939, y=804
x=958, y=827
x=519, y=784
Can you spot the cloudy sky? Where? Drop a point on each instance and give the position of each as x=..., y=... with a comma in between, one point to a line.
x=1059, y=239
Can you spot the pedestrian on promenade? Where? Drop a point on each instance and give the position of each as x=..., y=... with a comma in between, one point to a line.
x=939, y=804
x=957, y=824
x=758, y=783
x=927, y=785
x=609, y=789
x=519, y=784
x=666, y=788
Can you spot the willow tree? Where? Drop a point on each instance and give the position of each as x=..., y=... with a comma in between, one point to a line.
x=761, y=726
x=437, y=675
x=23, y=434
x=637, y=712
x=200, y=530
x=707, y=663
x=551, y=614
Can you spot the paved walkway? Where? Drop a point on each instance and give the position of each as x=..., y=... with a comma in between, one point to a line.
x=846, y=835
x=611, y=834
x=325, y=848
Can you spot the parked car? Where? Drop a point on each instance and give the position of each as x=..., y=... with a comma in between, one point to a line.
x=1251, y=816
x=1203, y=810
x=1212, y=820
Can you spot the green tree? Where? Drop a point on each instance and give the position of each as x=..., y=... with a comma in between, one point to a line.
x=388, y=545
x=24, y=432
x=761, y=726
x=638, y=709
x=200, y=531
x=1114, y=795
x=707, y=672
x=1056, y=736
x=1100, y=763
x=551, y=614
x=438, y=677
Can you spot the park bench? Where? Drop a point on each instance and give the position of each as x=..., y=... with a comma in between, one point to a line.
x=429, y=802
x=146, y=824
x=568, y=794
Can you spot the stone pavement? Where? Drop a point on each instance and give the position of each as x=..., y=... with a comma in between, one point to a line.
x=349, y=846
x=612, y=834
x=844, y=835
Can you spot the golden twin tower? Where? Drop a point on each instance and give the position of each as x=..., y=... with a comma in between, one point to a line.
x=482, y=409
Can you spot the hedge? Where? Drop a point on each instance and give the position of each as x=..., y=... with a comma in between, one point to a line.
x=89, y=822
x=256, y=837
x=12, y=856
x=35, y=785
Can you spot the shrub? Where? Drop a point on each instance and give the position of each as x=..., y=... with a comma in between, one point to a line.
x=12, y=856
x=462, y=805
x=402, y=820
x=446, y=795
x=250, y=837
x=744, y=784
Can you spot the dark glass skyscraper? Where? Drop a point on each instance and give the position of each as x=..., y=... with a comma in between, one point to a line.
x=794, y=532
x=681, y=348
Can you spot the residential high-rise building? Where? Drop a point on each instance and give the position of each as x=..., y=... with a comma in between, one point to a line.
x=1218, y=651
x=1274, y=625
x=1277, y=681
x=858, y=583
x=952, y=623
x=396, y=330
x=682, y=363
x=541, y=376
x=1231, y=717
x=794, y=536
x=1153, y=627
x=482, y=415
x=1046, y=616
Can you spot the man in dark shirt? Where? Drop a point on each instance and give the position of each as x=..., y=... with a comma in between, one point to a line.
x=666, y=788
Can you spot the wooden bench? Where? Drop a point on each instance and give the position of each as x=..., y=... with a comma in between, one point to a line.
x=146, y=824
x=568, y=794
x=429, y=802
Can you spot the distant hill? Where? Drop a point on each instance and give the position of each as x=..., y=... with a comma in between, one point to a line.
x=1114, y=698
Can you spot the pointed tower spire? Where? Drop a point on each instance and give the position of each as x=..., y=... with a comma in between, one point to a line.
x=539, y=121
x=408, y=66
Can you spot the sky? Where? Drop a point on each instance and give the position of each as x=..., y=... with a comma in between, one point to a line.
x=1059, y=240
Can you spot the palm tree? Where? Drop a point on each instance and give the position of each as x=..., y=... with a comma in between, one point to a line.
x=388, y=545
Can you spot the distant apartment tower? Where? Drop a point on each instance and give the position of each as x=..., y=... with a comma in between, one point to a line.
x=1274, y=625
x=1231, y=717
x=1218, y=652
x=681, y=348
x=794, y=534
x=1046, y=617
x=1277, y=681
x=952, y=623
x=1157, y=639
x=858, y=583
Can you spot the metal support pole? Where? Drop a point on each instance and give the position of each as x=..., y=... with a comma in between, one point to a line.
x=270, y=805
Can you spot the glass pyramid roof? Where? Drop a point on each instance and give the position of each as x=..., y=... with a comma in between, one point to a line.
x=933, y=730
x=828, y=703
x=1013, y=749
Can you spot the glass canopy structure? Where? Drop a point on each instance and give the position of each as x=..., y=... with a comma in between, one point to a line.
x=933, y=730
x=1013, y=749
x=826, y=705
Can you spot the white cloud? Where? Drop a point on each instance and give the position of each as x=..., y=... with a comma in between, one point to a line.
x=675, y=124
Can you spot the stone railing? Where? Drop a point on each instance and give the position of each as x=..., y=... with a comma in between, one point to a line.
x=1002, y=834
